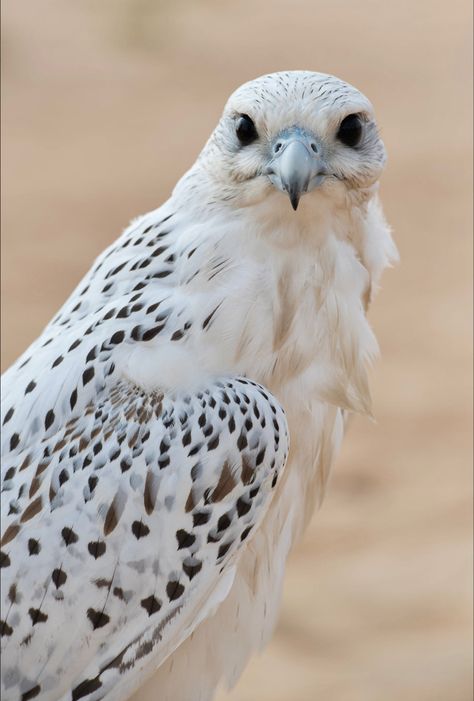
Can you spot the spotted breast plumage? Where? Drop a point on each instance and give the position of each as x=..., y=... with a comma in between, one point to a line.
x=148, y=499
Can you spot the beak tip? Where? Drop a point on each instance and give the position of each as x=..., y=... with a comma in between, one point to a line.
x=295, y=199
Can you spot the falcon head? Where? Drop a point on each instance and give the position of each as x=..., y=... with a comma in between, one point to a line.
x=298, y=133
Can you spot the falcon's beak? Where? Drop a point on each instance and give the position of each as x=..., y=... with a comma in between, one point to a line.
x=296, y=166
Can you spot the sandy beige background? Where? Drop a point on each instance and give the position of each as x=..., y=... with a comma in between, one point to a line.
x=105, y=104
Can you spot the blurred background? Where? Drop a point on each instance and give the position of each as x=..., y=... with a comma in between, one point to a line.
x=105, y=105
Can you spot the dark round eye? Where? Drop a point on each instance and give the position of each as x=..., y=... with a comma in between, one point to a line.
x=350, y=130
x=245, y=130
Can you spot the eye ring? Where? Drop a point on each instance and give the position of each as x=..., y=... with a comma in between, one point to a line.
x=245, y=130
x=350, y=130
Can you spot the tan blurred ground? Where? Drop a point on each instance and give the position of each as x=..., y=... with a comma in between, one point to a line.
x=105, y=105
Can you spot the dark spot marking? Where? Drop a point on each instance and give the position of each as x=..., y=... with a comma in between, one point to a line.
x=58, y=361
x=59, y=577
x=117, y=337
x=87, y=375
x=200, y=518
x=26, y=463
x=10, y=473
x=223, y=549
x=164, y=462
x=5, y=629
x=208, y=319
x=174, y=590
x=37, y=616
x=8, y=415
x=153, y=307
x=31, y=693
x=151, y=604
x=118, y=592
x=102, y=583
x=96, y=548
x=73, y=399
x=14, y=440
x=158, y=251
x=85, y=688
x=4, y=559
x=223, y=522
x=99, y=619
x=116, y=270
x=30, y=387
x=33, y=546
x=125, y=464
x=185, y=539
x=151, y=333
x=213, y=443
x=192, y=567
x=149, y=497
x=243, y=507
x=48, y=419
x=92, y=354
x=69, y=536
x=122, y=314
x=12, y=593
x=245, y=533
x=139, y=529
x=241, y=442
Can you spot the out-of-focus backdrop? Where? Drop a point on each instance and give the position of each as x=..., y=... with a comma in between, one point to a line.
x=105, y=105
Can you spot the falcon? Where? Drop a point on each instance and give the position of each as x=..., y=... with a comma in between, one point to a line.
x=150, y=496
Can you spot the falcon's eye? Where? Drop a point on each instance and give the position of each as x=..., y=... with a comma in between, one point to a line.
x=350, y=130
x=245, y=130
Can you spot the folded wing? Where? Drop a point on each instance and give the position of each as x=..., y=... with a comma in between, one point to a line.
x=122, y=530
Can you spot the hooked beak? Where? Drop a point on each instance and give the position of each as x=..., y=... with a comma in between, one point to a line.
x=296, y=166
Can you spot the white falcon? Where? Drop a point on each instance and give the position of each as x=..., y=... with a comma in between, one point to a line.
x=149, y=502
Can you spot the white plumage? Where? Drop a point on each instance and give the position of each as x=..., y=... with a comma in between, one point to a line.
x=147, y=510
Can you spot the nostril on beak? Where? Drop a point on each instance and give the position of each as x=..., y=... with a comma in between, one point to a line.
x=278, y=146
x=314, y=147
